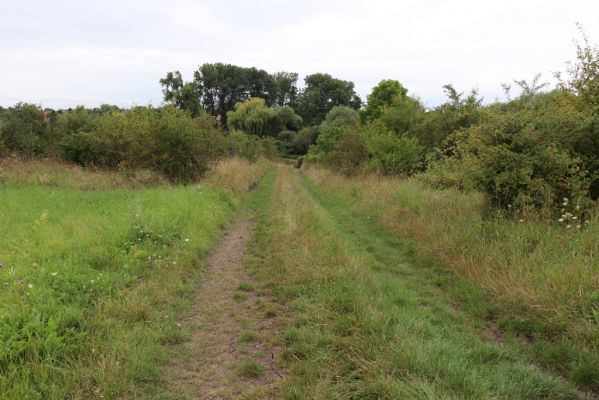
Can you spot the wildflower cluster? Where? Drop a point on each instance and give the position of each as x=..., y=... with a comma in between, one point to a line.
x=141, y=233
x=159, y=260
x=568, y=215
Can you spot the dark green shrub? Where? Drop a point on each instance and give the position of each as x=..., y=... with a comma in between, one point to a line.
x=304, y=138
x=349, y=154
x=174, y=146
x=390, y=153
x=458, y=113
x=73, y=121
x=524, y=154
x=166, y=140
x=107, y=145
x=24, y=130
x=338, y=121
x=285, y=141
x=268, y=148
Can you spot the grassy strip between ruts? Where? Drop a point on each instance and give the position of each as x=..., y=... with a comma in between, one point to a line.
x=541, y=279
x=368, y=319
x=93, y=282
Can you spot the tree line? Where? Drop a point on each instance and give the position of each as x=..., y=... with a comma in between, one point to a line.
x=537, y=151
x=217, y=88
x=164, y=139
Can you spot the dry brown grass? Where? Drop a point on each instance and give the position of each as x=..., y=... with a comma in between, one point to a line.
x=237, y=174
x=50, y=172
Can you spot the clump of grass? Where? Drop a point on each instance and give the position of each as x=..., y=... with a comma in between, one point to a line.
x=250, y=368
x=248, y=337
x=270, y=311
x=245, y=287
x=239, y=296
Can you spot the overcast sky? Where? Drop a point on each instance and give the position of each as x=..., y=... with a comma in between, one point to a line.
x=62, y=53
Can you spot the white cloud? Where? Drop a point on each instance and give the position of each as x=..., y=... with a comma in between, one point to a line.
x=65, y=53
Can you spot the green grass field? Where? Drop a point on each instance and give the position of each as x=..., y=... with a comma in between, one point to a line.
x=93, y=282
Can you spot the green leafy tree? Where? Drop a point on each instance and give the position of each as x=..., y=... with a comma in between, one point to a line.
x=224, y=85
x=288, y=118
x=323, y=92
x=383, y=95
x=338, y=121
x=286, y=91
x=254, y=117
x=218, y=87
x=185, y=95
x=402, y=115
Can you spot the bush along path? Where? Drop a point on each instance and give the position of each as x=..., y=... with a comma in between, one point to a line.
x=367, y=318
x=232, y=349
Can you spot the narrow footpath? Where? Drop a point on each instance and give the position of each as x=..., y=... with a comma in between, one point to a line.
x=231, y=352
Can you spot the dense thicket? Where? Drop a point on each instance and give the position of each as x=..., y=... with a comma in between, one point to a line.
x=536, y=152
x=166, y=139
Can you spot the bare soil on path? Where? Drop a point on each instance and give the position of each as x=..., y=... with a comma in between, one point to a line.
x=233, y=348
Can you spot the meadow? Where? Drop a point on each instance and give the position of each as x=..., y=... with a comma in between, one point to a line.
x=95, y=270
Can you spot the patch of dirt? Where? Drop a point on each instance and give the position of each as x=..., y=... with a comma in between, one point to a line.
x=493, y=333
x=228, y=325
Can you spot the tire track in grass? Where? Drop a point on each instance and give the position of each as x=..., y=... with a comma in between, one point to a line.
x=369, y=320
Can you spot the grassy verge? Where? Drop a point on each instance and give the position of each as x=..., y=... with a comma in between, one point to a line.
x=542, y=279
x=369, y=320
x=93, y=280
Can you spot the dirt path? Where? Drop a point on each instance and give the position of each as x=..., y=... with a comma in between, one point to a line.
x=233, y=350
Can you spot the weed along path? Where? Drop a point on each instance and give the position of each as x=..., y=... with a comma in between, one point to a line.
x=231, y=352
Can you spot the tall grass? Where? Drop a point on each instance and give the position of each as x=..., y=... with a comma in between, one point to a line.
x=49, y=172
x=544, y=274
x=237, y=174
x=367, y=318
